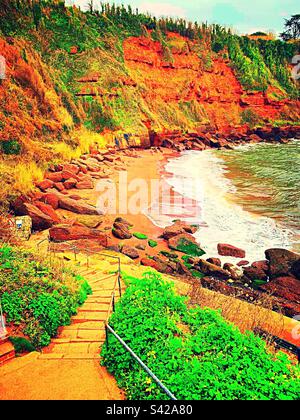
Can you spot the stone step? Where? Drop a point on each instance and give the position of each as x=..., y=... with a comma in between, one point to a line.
x=7, y=351
x=85, y=325
x=81, y=334
x=76, y=340
x=93, y=307
x=74, y=356
x=76, y=348
x=90, y=317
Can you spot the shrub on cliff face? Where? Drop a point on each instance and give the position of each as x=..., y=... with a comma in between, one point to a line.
x=10, y=147
x=36, y=297
x=193, y=351
x=248, y=116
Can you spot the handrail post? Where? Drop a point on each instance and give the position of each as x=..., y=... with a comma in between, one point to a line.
x=113, y=301
x=106, y=335
x=119, y=277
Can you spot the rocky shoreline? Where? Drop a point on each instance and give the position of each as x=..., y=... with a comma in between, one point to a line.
x=227, y=138
x=61, y=205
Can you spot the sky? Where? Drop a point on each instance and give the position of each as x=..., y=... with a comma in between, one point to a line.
x=245, y=16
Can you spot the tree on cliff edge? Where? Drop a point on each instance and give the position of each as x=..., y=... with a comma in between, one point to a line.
x=292, y=29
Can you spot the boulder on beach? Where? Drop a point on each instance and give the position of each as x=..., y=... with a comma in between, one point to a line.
x=89, y=221
x=178, y=228
x=212, y=270
x=40, y=220
x=85, y=183
x=282, y=262
x=48, y=210
x=215, y=261
x=45, y=184
x=51, y=199
x=130, y=252
x=70, y=183
x=227, y=250
x=257, y=271
x=185, y=243
x=285, y=287
x=121, y=229
x=63, y=233
x=75, y=206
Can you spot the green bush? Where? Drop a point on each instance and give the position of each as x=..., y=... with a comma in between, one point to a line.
x=21, y=345
x=193, y=351
x=36, y=297
x=248, y=116
x=10, y=147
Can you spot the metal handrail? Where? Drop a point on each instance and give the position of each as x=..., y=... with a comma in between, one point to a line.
x=141, y=363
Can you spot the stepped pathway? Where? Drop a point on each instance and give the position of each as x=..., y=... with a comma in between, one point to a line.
x=84, y=337
x=69, y=367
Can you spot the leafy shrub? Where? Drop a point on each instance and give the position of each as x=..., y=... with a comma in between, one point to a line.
x=10, y=147
x=248, y=116
x=36, y=297
x=21, y=345
x=193, y=351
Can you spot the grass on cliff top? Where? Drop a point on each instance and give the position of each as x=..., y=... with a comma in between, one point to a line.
x=193, y=351
x=37, y=298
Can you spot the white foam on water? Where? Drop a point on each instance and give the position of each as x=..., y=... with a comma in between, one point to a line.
x=221, y=221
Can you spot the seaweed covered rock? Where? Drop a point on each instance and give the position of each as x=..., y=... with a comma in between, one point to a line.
x=187, y=244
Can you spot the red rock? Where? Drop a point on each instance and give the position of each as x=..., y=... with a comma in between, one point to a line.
x=215, y=261
x=69, y=233
x=59, y=186
x=54, y=176
x=70, y=183
x=212, y=269
x=178, y=228
x=130, y=252
x=242, y=263
x=148, y=262
x=48, y=210
x=85, y=184
x=74, y=49
x=285, y=287
x=75, y=197
x=281, y=261
x=70, y=167
x=83, y=170
x=230, y=251
x=121, y=231
x=61, y=176
x=66, y=175
x=40, y=220
x=44, y=185
x=51, y=199
x=75, y=206
x=184, y=242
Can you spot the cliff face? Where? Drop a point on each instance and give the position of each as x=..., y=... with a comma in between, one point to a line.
x=187, y=94
x=73, y=79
